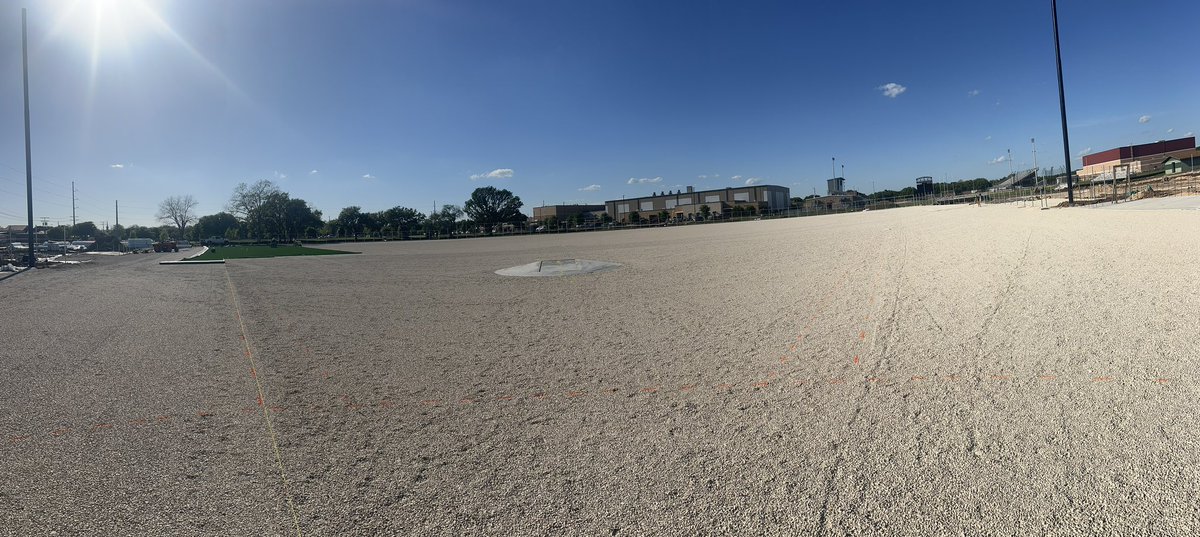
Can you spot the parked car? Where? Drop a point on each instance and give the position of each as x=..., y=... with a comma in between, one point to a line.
x=214, y=241
x=183, y=245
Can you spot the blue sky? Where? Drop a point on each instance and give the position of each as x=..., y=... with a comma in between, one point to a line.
x=380, y=104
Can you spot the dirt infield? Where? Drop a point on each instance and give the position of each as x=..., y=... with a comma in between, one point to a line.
x=925, y=371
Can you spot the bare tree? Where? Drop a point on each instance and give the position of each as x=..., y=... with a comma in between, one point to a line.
x=177, y=211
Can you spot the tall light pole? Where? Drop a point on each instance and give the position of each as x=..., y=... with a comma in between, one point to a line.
x=28, y=152
x=1062, y=105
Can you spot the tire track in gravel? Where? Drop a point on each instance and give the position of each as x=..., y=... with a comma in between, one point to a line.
x=824, y=523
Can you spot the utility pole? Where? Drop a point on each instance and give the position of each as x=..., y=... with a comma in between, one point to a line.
x=28, y=152
x=117, y=207
x=72, y=205
x=1062, y=105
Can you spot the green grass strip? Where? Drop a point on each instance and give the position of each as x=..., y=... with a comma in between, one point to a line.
x=250, y=252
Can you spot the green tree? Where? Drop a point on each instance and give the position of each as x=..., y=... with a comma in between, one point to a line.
x=402, y=219
x=664, y=215
x=84, y=230
x=635, y=217
x=246, y=202
x=445, y=220
x=705, y=211
x=490, y=206
x=350, y=221
x=214, y=225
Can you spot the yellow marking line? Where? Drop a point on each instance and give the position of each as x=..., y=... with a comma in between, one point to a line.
x=262, y=401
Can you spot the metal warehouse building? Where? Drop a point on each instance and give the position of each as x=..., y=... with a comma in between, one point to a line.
x=685, y=205
x=1140, y=158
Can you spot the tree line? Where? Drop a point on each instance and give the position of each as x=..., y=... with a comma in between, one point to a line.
x=263, y=211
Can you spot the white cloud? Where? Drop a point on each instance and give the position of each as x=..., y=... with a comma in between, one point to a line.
x=368, y=176
x=280, y=176
x=999, y=159
x=498, y=173
x=590, y=188
x=1170, y=130
x=643, y=180
x=753, y=181
x=713, y=176
x=736, y=178
x=314, y=172
x=1190, y=133
x=116, y=166
x=1085, y=151
x=892, y=89
x=1144, y=119
x=972, y=93
x=989, y=137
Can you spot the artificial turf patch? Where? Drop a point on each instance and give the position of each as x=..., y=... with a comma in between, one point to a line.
x=249, y=252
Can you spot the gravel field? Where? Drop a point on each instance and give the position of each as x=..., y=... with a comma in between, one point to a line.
x=927, y=371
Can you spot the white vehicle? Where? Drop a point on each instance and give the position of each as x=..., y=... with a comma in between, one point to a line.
x=140, y=244
x=182, y=244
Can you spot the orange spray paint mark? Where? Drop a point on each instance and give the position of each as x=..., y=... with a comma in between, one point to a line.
x=856, y=359
x=431, y=402
x=1161, y=381
x=203, y=414
x=918, y=378
x=60, y=432
x=576, y=394
x=762, y=384
x=862, y=335
x=102, y=426
x=1102, y=379
x=1047, y=377
x=687, y=387
x=837, y=381
x=650, y=389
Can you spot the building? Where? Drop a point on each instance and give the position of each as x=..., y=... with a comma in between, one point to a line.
x=1142, y=158
x=682, y=205
x=846, y=201
x=836, y=186
x=564, y=213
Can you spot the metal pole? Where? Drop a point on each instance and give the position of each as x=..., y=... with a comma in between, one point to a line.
x=1062, y=105
x=28, y=152
x=73, y=223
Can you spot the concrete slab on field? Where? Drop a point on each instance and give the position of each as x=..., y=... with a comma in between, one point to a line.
x=558, y=267
x=950, y=370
